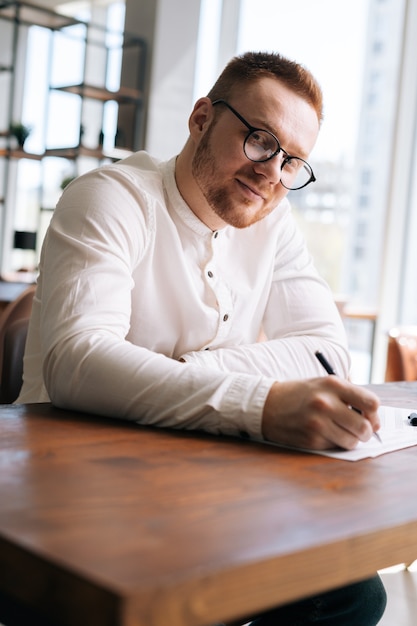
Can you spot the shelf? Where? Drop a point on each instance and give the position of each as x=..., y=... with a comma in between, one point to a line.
x=18, y=153
x=96, y=153
x=30, y=14
x=65, y=155
x=124, y=94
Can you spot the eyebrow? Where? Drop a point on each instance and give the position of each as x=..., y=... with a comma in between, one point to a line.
x=264, y=125
x=298, y=152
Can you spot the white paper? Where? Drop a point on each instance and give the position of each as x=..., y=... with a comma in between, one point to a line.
x=396, y=433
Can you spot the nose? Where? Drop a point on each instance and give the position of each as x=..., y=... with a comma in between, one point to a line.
x=271, y=169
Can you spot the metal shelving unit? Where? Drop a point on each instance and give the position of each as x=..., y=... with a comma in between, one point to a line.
x=96, y=48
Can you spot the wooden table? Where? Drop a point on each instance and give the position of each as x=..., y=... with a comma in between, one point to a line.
x=107, y=523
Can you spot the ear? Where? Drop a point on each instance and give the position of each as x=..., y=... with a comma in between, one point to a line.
x=200, y=118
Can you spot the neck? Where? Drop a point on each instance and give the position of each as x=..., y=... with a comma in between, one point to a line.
x=191, y=192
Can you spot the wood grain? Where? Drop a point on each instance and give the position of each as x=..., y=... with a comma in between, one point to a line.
x=104, y=522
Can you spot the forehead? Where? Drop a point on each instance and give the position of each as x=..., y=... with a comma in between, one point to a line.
x=268, y=103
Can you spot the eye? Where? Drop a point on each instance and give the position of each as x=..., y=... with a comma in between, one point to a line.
x=262, y=141
x=292, y=164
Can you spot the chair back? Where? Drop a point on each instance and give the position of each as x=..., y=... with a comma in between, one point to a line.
x=13, y=352
x=20, y=308
x=402, y=354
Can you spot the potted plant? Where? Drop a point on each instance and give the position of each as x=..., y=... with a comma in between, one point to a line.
x=20, y=131
x=66, y=181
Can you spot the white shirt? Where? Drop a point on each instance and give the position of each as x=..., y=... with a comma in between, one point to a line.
x=131, y=281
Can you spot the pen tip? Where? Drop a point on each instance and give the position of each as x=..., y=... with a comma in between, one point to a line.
x=378, y=436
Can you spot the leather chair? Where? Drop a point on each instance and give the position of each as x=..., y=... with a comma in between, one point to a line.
x=11, y=359
x=13, y=352
x=402, y=354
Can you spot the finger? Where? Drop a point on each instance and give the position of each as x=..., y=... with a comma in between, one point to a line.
x=331, y=435
x=348, y=428
x=362, y=399
x=337, y=426
x=373, y=419
x=363, y=402
x=362, y=428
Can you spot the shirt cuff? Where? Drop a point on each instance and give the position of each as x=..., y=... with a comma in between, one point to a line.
x=244, y=403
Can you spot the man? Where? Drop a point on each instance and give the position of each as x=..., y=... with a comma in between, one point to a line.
x=157, y=279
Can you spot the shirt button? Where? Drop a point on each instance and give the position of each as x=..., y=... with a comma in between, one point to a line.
x=225, y=317
x=210, y=274
x=216, y=234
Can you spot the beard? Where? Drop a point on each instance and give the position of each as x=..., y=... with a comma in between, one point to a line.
x=218, y=196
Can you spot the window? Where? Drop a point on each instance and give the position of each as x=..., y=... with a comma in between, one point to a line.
x=360, y=86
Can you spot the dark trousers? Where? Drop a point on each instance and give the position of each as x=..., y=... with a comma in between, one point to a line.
x=360, y=604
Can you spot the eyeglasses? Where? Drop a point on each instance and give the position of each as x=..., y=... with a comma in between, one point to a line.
x=261, y=145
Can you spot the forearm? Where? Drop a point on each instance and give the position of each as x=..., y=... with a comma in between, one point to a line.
x=289, y=358
x=110, y=377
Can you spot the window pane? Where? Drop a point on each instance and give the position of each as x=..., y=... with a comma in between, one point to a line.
x=353, y=48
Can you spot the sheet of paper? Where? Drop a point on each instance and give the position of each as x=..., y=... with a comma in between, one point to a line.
x=396, y=433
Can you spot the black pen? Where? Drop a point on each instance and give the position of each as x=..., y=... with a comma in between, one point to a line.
x=325, y=363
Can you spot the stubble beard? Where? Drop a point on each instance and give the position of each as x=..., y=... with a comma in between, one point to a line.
x=217, y=196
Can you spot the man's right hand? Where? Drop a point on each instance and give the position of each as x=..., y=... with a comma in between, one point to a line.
x=317, y=414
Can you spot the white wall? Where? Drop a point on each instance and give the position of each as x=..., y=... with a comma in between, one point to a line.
x=190, y=41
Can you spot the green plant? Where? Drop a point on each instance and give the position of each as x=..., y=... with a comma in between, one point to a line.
x=20, y=131
x=66, y=181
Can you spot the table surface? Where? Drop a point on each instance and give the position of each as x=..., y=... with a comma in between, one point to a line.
x=104, y=522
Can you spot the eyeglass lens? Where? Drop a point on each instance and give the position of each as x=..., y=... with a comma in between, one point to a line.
x=261, y=145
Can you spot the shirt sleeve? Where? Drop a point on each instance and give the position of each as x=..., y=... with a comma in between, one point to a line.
x=83, y=308
x=300, y=318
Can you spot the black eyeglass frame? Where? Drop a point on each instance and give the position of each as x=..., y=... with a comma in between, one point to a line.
x=287, y=158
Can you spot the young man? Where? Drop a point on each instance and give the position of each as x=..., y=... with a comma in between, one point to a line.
x=157, y=279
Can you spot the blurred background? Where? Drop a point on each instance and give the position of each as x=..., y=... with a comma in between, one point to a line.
x=91, y=81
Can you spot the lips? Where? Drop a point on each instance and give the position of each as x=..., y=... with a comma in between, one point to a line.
x=252, y=188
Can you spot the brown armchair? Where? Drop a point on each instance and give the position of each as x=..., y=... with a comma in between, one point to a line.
x=402, y=354
x=13, y=351
x=12, y=344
